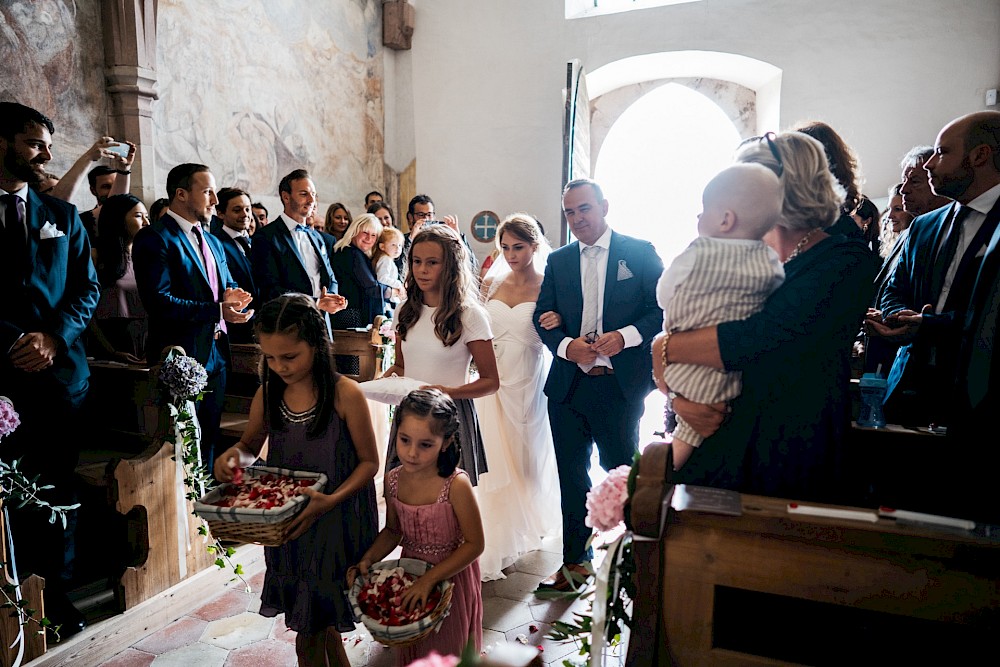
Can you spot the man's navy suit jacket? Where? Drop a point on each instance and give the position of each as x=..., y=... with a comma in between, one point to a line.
x=175, y=290
x=627, y=300
x=277, y=267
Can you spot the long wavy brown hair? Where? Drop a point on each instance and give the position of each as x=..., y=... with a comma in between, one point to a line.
x=457, y=285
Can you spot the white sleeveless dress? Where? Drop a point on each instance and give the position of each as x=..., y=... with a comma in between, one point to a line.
x=519, y=496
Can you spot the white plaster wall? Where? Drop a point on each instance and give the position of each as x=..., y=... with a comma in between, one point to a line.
x=486, y=80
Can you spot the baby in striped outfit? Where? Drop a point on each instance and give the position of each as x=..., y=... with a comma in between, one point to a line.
x=725, y=274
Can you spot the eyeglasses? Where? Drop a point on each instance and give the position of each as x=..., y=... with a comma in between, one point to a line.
x=770, y=137
x=590, y=336
x=424, y=216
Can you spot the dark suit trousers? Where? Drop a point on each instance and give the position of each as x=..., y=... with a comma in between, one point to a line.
x=48, y=444
x=210, y=407
x=595, y=412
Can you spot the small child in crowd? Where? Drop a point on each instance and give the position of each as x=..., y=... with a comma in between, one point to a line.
x=431, y=510
x=725, y=274
x=317, y=420
x=388, y=248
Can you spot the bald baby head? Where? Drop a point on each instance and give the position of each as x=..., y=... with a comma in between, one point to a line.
x=741, y=202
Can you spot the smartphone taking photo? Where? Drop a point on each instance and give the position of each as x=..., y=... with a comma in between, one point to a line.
x=120, y=149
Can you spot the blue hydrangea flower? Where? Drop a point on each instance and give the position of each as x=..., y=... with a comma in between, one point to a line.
x=184, y=377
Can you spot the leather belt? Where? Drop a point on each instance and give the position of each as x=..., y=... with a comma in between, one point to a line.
x=598, y=371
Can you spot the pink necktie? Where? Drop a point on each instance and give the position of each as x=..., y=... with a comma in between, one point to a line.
x=210, y=268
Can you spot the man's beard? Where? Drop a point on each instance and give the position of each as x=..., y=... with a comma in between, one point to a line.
x=955, y=185
x=17, y=167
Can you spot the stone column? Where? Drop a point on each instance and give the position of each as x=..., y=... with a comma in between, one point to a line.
x=130, y=57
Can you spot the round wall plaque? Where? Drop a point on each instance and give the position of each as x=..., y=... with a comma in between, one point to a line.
x=484, y=226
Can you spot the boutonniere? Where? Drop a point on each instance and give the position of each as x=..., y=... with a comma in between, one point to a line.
x=623, y=271
x=49, y=231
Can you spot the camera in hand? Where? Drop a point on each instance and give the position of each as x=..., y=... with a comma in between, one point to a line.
x=434, y=222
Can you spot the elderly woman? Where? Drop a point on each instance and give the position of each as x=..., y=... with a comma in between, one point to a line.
x=783, y=436
x=352, y=265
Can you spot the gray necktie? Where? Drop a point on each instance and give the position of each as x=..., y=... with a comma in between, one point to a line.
x=591, y=297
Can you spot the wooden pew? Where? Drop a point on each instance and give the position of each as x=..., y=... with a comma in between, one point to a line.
x=242, y=382
x=773, y=588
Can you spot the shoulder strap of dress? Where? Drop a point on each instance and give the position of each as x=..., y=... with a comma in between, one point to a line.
x=393, y=481
x=446, y=487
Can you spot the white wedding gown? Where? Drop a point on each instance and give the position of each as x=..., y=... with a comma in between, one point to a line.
x=519, y=496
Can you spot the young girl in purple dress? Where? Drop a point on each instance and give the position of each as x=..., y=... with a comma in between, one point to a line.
x=317, y=420
x=431, y=510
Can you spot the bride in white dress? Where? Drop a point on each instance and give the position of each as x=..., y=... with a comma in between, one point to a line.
x=519, y=496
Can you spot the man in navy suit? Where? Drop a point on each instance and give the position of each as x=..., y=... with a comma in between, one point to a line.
x=50, y=292
x=232, y=226
x=189, y=294
x=603, y=287
x=290, y=256
x=926, y=300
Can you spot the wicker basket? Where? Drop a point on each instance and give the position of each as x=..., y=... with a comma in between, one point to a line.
x=403, y=635
x=260, y=526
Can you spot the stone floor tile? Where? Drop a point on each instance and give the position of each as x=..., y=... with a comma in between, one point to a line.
x=181, y=632
x=198, y=653
x=541, y=563
x=562, y=609
x=491, y=638
x=236, y=631
x=552, y=544
x=535, y=635
x=518, y=586
x=228, y=604
x=265, y=653
x=130, y=657
x=380, y=656
x=281, y=632
x=501, y=614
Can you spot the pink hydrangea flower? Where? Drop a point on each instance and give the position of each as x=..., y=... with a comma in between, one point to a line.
x=9, y=419
x=606, y=501
x=434, y=659
x=387, y=331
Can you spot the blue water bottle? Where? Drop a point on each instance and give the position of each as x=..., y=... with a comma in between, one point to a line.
x=873, y=389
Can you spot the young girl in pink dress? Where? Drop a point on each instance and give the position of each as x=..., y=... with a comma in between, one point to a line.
x=431, y=510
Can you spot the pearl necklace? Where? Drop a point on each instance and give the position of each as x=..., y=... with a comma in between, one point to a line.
x=797, y=250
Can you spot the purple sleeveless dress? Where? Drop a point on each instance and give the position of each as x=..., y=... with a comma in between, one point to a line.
x=306, y=577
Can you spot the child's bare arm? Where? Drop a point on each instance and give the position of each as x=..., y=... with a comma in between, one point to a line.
x=387, y=540
x=246, y=451
x=471, y=524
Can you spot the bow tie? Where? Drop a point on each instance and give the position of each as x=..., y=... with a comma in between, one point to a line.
x=301, y=228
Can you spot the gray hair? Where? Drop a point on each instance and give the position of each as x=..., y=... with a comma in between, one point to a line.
x=915, y=157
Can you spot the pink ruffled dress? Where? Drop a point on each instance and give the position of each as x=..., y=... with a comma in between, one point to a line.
x=431, y=533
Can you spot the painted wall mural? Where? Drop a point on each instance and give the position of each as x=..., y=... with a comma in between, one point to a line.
x=255, y=89
x=54, y=62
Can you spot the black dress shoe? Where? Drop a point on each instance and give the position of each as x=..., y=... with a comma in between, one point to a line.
x=63, y=614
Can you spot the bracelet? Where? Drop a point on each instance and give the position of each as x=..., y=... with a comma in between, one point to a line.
x=123, y=172
x=666, y=341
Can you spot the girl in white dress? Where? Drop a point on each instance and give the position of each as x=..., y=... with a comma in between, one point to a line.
x=520, y=494
x=440, y=329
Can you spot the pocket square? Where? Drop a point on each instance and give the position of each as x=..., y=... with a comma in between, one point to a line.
x=49, y=231
x=623, y=271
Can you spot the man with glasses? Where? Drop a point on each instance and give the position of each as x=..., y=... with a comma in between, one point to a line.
x=420, y=212
x=603, y=287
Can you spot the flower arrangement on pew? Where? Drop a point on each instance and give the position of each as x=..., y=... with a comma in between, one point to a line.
x=183, y=381
x=23, y=492
x=610, y=614
x=383, y=337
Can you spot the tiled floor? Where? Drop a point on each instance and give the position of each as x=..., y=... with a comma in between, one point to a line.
x=227, y=631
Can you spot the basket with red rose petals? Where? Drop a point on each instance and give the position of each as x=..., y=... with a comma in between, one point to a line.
x=376, y=602
x=259, y=505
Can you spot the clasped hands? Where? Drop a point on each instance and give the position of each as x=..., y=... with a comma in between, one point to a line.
x=34, y=351
x=900, y=327
x=234, y=300
x=583, y=351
